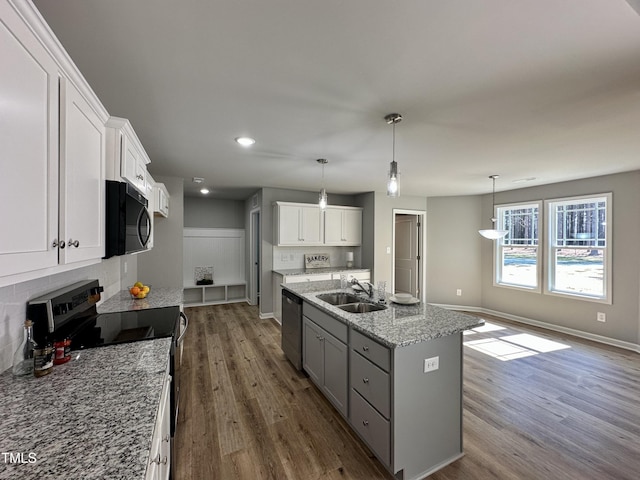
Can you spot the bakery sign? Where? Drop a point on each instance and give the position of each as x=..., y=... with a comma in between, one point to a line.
x=316, y=260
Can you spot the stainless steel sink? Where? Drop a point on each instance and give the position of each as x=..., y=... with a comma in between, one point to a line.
x=361, y=307
x=339, y=298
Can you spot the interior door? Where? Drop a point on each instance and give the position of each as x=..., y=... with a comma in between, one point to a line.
x=406, y=255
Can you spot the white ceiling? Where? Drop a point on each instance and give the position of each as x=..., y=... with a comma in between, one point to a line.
x=544, y=89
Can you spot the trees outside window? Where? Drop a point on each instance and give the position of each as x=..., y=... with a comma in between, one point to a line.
x=518, y=253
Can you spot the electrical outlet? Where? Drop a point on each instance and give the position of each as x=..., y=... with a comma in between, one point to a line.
x=459, y=292
x=431, y=364
x=601, y=317
x=125, y=266
x=388, y=250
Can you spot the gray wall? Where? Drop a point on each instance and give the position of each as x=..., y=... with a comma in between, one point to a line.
x=454, y=250
x=453, y=241
x=213, y=213
x=367, y=202
x=162, y=266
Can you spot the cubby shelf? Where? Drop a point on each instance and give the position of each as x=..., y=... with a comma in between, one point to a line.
x=197, y=295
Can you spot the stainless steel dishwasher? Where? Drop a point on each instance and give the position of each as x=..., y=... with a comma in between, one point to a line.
x=292, y=328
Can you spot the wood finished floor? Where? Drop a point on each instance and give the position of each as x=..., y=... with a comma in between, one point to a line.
x=245, y=413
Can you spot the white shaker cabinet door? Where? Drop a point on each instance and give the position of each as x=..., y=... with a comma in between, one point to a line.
x=29, y=146
x=82, y=173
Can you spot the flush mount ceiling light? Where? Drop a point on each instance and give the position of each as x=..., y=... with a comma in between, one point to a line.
x=197, y=179
x=322, y=198
x=245, y=141
x=493, y=233
x=393, y=184
x=204, y=190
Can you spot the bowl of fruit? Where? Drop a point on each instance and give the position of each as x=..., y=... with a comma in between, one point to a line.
x=139, y=290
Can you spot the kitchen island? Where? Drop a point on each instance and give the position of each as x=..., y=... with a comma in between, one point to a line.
x=394, y=374
x=93, y=417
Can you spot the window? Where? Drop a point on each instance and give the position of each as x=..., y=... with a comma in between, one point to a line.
x=518, y=252
x=579, y=256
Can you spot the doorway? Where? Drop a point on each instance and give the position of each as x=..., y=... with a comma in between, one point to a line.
x=408, y=252
x=254, y=257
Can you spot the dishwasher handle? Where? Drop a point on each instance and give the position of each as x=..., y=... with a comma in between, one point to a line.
x=186, y=326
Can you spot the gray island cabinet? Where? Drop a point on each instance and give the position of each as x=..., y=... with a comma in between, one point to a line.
x=395, y=375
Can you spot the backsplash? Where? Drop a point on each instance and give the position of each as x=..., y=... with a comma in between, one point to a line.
x=293, y=257
x=14, y=298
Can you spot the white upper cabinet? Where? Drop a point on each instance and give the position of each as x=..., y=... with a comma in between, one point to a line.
x=307, y=224
x=343, y=226
x=126, y=157
x=299, y=224
x=29, y=146
x=52, y=140
x=160, y=200
x=82, y=173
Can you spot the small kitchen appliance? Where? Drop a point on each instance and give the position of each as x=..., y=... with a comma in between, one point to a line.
x=128, y=224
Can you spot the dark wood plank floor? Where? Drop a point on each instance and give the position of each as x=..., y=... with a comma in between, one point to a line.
x=546, y=413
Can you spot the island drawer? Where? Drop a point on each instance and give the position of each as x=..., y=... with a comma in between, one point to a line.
x=374, y=429
x=370, y=349
x=332, y=325
x=371, y=382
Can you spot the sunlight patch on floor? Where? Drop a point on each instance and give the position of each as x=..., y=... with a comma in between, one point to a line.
x=511, y=347
x=487, y=327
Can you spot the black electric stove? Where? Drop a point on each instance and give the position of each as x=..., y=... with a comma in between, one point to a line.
x=71, y=312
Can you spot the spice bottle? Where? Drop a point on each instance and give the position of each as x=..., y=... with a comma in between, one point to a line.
x=62, y=351
x=43, y=360
x=23, y=358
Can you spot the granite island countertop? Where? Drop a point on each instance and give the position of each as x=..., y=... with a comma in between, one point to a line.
x=92, y=417
x=157, y=298
x=398, y=325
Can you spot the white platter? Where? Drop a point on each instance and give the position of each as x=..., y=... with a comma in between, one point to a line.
x=408, y=301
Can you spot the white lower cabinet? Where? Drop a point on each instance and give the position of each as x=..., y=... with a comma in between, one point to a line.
x=159, y=465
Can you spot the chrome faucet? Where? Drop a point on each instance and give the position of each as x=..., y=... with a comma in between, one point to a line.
x=369, y=291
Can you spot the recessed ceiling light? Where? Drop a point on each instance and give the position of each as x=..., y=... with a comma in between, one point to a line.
x=245, y=141
x=204, y=191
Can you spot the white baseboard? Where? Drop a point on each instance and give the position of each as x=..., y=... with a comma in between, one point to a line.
x=264, y=316
x=634, y=347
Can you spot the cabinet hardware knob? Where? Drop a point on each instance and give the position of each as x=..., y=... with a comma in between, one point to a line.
x=365, y=423
x=365, y=348
x=73, y=243
x=60, y=244
x=365, y=380
x=164, y=460
x=156, y=460
x=166, y=438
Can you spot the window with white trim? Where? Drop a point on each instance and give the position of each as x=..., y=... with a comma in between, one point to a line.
x=518, y=253
x=579, y=253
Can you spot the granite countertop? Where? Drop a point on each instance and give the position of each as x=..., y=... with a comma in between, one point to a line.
x=92, y=417
x=156, y=298
x=311, y=271
x=398, y=325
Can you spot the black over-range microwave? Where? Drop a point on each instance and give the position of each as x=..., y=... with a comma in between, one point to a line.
x=128, y=228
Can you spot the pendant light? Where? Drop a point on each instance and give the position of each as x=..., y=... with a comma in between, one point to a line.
x=322, y=198
x=393, y=183
x=493, y=233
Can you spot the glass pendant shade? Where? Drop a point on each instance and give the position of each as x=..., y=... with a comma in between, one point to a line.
x=393, y=185
x=322, y=199
x=493, y=233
